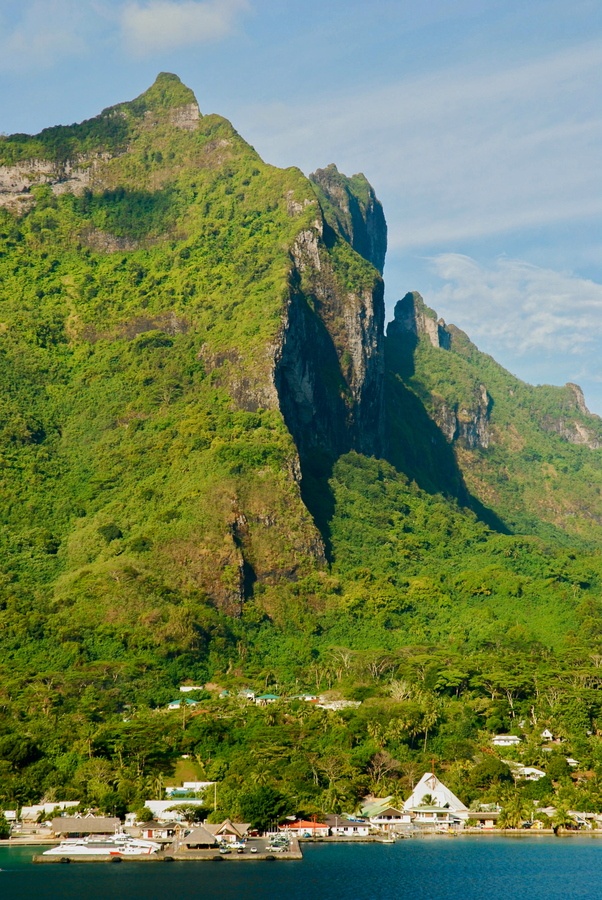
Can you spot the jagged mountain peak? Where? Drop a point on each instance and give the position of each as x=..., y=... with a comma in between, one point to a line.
x=413, y=318
x=353, y=211
x=167, y=93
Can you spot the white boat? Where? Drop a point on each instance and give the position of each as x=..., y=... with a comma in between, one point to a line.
x=119, y=844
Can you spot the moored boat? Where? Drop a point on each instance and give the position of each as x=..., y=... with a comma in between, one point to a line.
x=119, y=844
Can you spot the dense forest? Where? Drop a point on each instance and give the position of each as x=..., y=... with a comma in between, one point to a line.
x=169, y=516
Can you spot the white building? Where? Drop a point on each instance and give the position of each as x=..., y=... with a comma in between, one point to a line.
x=437, y=794
x=431, y=803
x=31, y=813
x=170, y=810
x=527, y=773
x=505, y=740
x=347, y=826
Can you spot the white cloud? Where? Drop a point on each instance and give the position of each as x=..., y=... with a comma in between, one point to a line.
x=457, y=153
x=521, y=309
x=159, y=25
x=43, y=33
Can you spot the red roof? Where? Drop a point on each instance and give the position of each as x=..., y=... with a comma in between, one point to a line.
x=305, y=826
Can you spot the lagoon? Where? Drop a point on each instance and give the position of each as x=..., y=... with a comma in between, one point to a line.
x=463, y=868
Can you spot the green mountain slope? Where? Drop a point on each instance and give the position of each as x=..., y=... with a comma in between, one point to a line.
x=531, y=455
x=214, y=467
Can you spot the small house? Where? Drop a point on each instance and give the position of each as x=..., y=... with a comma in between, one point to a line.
x=345, y=826
x=304, y=829
x=528, y=773
x=159, y=831
x=485, y=819
x=266, y=699
x=505, y=740
x=178, y=703
x=228, y=831
x=386, y=819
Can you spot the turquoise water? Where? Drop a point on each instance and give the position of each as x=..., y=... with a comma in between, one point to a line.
x=483, y=868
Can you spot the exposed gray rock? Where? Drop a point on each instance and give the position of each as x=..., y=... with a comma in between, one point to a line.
x=185, y=117
x=354, y=211
x=329, y=366
x=412, y=317
x=466, y=424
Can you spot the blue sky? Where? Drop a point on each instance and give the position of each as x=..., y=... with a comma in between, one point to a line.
x=478, y=122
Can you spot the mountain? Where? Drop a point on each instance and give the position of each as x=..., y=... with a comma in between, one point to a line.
x=217, y=467
x=530, y=455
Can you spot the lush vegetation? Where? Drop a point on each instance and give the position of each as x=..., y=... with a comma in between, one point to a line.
x=153, y=531
x=537, y=474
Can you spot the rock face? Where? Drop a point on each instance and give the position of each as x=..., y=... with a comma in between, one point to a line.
x=571, y=426
x=17, y=181
x=352, y=209
x=463, y=423
x=412, y=318
x=329, y=367
x=460, y=421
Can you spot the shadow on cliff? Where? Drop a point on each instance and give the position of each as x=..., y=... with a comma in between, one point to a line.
x=317, y=494
x=416, y=445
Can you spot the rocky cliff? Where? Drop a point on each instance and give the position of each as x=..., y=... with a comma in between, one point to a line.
x=515, y=452
x=354, y=212
x=245, y=336
x=461, y=419
x=329, y=370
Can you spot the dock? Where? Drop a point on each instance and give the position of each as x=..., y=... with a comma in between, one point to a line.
x=175, y=853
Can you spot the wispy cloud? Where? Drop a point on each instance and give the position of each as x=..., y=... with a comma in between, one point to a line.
x=461, y=152
x=42, y=33
x=521, y=308
x=161, y=25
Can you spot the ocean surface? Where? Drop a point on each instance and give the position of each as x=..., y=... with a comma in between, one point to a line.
x=479, y=868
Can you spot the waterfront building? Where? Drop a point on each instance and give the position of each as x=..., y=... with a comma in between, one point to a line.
x=82, y=826
x=347, y=826
x=305, y=829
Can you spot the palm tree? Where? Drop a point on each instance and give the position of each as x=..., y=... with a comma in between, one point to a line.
x=513, y=813
x=561, y=818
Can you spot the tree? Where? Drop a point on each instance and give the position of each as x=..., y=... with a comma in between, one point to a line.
x=561, y=818
x=513, y=813
x=4, y=827
x=144, y=814
x=491, y=770
x=381, y=765
x=557, y=767
x=262, y=806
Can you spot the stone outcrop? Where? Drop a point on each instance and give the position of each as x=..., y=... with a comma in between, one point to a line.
x=352, y=209
x=467, y=424
x=577, y=425
x=412, y=318
x=185, y=117
x=329, y=366
x=466, y=420
x=73, y=177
